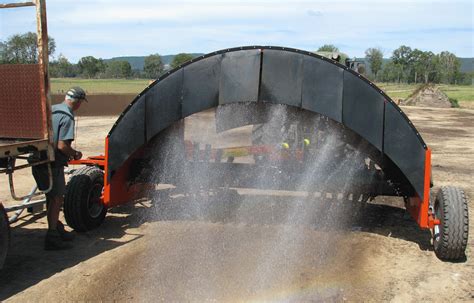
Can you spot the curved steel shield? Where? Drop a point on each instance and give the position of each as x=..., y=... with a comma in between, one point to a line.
x=276, y=75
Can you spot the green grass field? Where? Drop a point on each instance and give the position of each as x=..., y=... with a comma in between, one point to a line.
x=396, y=90
x=99, y=86
x=463, y=93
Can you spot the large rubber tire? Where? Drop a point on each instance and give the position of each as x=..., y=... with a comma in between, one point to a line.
x=450, y=236
x=4, y=235
x=83, y=207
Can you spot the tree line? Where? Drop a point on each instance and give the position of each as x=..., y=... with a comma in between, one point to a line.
x=22, y=49
x=409, y=65
x=406, y=65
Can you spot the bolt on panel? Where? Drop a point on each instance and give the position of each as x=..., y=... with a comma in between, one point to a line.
x=282, y=77
x=201, y=85
x=322, y=88
x=164, y=104
x=240, y=76
x=402, y=146
x=128, y=135
x=363, y=109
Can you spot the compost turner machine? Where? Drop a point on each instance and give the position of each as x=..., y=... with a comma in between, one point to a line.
x=321, y=95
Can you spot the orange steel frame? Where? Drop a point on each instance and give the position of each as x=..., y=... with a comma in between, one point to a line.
x=117, y=191
x=419, y=208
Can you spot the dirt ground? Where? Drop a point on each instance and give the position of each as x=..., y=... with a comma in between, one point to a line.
x=147, y=252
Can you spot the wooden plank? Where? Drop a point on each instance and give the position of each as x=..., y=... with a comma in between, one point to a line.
x=19, y=4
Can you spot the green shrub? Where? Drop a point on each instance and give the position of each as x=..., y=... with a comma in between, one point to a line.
x=454, y=102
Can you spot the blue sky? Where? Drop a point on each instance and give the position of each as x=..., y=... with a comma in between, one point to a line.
x=109, y=28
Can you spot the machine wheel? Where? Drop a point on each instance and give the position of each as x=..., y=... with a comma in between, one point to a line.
x=83, y=207
x=4, y=235
x=450, y=236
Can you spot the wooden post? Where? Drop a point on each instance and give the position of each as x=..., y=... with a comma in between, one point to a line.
x=43, y=61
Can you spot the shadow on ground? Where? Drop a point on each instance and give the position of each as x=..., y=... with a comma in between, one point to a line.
x=28, y=263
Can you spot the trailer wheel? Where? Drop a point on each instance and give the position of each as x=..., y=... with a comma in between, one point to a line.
x=83, y=207
x=450, y=236
x=4, y=235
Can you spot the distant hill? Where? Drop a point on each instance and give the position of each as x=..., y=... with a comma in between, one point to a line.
x=467, y=64
x=137, y=62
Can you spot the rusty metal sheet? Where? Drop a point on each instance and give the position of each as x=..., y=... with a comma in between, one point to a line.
x=21, y=111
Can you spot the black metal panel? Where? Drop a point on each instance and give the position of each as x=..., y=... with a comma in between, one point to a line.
x=403, y=147
x=363, y=109
x=201, y=85
x=128, y=135
x=322, y=87
x=163, y=104
x=282, y=77
x=240, y=76
x=287, y=76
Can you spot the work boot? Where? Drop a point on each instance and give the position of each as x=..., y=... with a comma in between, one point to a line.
x=65, y=235
x=53, y=241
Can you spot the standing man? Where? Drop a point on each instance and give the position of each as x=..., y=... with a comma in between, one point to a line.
x=63, y=134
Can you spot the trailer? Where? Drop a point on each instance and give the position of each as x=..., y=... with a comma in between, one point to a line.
x=25, y=122
x=241, y=82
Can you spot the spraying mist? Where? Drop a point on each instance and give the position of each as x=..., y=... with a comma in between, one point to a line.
x=259, y=197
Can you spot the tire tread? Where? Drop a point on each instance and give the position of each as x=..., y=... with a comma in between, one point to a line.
x=454, y=229
x=77, y=194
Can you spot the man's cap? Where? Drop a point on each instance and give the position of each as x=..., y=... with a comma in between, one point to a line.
x=77, y=93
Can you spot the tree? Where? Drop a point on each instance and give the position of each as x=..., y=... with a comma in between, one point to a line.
x=118, y=69
x=23, y=49
x=424, y=65
x=402, y=57
x=417, y=68
x=328, y=48
x=448, y=67
x=466, y=78
x=62, y=68
x=3, y=48
x=180, y=59
x=153, y=67
x=90, y=67
x=375, y=58
x=137, y=73
x=390, y=72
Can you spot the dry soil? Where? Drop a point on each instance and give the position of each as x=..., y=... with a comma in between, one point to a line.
x=143, y=252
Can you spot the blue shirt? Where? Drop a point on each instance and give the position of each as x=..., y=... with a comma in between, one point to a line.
x=63, y=129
